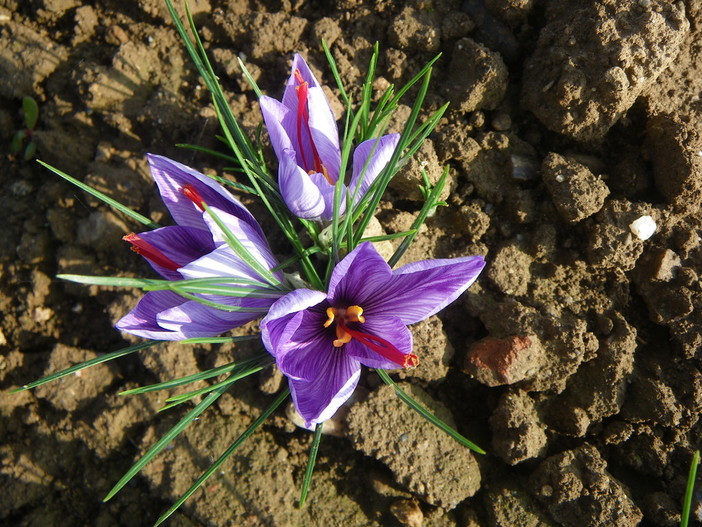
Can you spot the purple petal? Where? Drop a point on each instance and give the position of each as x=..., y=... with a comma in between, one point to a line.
x=252, y=240
x=282, y=329
x=171, y=177
x=391, y=329
x=142, y=320
x=301, y=195
x=182, y=245
x=324, y=130
x=290, y=94
x=380, y=157
x=420, y=289
x=280, y=125
x=317, y=400
x=358, y=276
x=193, y=319
x=327, y=192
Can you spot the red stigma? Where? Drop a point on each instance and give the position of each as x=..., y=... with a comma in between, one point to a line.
x=382, y=347
x=303, y=118
x=150, y=252
x=193, y=195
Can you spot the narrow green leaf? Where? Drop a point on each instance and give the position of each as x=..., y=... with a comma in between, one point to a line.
x=250, y=79
x=200, y=376
x=687, y=502
x=237, y=374
x=30, y=109
x=311, y=460
x=426, y=414
x=429, y=204
x=384, y=237
x=208, y=151
x=103, y=197
x=215, y=466
x=220, y=340
x=87, y=364
x=165, y=440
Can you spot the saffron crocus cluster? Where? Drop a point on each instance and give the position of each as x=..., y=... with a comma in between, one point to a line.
x=319, y=340
x=305, y=138
x=196, y=248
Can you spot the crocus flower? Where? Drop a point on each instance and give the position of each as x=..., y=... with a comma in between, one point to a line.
x=195, y=248
x=305, y=138
x=319, y=340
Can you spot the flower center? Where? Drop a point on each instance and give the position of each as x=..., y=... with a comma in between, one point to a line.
x=303, y=122
x=150, y=252
x=344, y=334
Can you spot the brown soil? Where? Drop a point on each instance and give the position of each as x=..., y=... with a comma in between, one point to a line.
x=575, y=359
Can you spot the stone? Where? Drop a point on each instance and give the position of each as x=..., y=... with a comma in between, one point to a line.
x=494, y=361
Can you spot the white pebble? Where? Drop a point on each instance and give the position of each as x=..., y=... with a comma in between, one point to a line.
x=560, y=178
x=643, y=228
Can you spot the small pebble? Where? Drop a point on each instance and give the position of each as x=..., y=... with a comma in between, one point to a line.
x=643, y=228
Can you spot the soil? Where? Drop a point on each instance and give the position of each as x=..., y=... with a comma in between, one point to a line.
x=574, y=360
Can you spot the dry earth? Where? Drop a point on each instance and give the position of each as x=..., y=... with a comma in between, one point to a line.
x=575, y=359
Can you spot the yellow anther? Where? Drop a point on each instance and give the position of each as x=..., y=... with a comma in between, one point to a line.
x=355, y=314
x=331, y=313
x=341, y=337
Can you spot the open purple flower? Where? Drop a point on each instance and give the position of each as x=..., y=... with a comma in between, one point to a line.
x=320, y=340
x=305, y=138
x=195, y=248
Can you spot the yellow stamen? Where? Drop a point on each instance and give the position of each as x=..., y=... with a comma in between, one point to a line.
x=355, y=314
x=331, y=313
x=341, y=337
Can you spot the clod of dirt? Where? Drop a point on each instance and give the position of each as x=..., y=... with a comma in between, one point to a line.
x=511, y=11
x=518, y=433
x=579, y=492
x=611, y=242
x=480, y=80
x=69, y=393
x=416, y=30
x=423, y=458
x=662, y=509
x=597, y=389
x=100, y=229
x=675, y=149
x=433, y=348
x=509, y=270
x=653, y=401
x=26, y=59
x=495, y=362
x=407, y=182
x=508, y=504
x=576, y=192
x=593, y=59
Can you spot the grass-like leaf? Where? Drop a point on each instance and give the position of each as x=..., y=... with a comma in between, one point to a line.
x=426, y=414
x=30, y=109
x=200, y=376
x=103, y=197
x=166, y=439
x=87, y=364
x=687, y=502
x=215, y=466
x=311, y=460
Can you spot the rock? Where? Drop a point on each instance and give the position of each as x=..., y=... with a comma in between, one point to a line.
x=576, y=192
x=593, y=59
x=407, y=512
x=422, y=458
x=579, y=492
x=480, y=77
x=674, y=148
x=495, y=362
x=518, y=433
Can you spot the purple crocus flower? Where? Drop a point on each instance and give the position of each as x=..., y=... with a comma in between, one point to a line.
x=195, y=248
x=305, y=138
x=319, y=340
